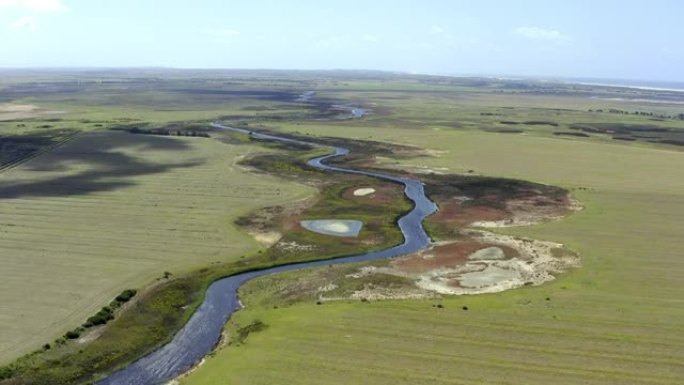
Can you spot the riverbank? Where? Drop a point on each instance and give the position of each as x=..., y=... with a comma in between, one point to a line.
x=162, y=310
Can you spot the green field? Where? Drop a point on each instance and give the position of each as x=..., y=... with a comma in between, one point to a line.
x=110, y=211
x=616, y=320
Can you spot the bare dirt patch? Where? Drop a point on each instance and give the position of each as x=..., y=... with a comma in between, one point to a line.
x=362, y=192
x=266, y=238
x=484, y=263
x=450, y=255
x=486, y=271
x=530, y=211
x=10, y=111
x=453, y=212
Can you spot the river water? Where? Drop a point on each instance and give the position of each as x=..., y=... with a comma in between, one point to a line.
x=200, y=335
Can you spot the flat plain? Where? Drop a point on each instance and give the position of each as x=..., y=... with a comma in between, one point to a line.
x=109, y=210
x=615, y=320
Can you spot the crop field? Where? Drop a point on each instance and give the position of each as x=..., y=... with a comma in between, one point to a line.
x=615, y=320
x=109, y=211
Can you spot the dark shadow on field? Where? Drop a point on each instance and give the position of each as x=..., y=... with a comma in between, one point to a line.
x=107, y=168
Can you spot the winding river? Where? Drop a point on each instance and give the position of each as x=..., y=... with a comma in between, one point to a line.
x=199, y=336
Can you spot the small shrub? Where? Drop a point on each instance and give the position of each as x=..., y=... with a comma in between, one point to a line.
x=73, y=334
x=126, y=295
x=245, y=331
x=6, y=372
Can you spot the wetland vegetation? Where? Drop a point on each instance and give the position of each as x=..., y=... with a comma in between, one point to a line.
x=105, y=210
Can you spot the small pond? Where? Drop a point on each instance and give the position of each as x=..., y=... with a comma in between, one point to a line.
x=335, y=227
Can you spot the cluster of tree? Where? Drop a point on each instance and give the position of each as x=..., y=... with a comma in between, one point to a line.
x=169, y=132
x=640, y=113
x=103, y=316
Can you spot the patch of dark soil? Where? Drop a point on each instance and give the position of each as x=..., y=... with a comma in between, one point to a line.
x=447, y=256
x=454, y=213
x=463, y=200
x=485, y=191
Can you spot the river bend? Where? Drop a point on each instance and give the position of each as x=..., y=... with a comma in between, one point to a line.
x=200, y=335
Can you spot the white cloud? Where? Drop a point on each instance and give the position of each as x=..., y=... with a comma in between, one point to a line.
x=34, y=5
x=26, y=22
x=537, y=33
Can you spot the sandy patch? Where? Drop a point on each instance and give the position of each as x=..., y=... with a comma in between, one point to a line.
x=489, y=253
x=267, y=238
x=5, y=108
x=486, y=272
x=485, y=263
x=9, y=111
x=91, y=335
x=362, y=192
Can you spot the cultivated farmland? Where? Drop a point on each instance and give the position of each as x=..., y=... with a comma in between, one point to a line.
x=109, y=211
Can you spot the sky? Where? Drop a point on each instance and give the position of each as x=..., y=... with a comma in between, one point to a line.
x=625, y=39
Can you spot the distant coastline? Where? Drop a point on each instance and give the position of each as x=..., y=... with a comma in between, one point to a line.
x=654, y=86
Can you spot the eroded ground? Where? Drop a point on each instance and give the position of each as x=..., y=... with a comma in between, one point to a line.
x=464, y=259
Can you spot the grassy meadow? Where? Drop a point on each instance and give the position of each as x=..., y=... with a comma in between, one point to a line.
x=109, y=211
x=616, y=320
x=86, y=212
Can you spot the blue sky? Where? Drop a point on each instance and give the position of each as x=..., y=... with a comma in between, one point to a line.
x=574, y=38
